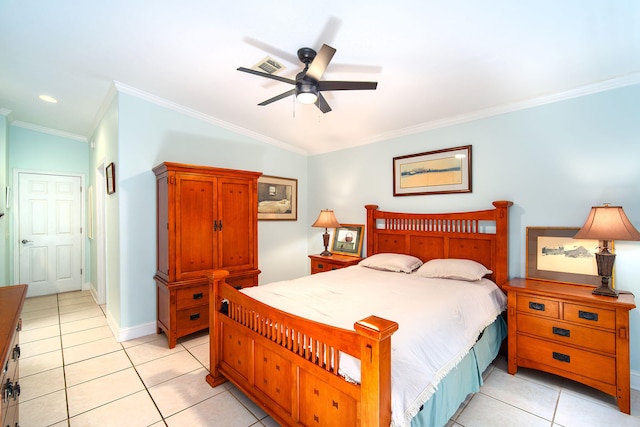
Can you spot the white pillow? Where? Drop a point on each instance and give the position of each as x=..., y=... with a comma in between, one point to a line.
x=399, y=263
x=452, y=268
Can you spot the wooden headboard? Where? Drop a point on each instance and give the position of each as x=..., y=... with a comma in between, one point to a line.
x=482, y=236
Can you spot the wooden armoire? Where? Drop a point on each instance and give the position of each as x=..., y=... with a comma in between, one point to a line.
x=207, y=219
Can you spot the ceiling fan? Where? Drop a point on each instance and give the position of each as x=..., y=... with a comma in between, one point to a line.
x=308, y=86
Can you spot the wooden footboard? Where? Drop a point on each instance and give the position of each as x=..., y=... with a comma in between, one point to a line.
x=289, y=365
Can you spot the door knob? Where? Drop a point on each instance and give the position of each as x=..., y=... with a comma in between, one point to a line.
x=25, y=241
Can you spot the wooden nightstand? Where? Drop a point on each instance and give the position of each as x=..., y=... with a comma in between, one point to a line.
x=321, y=263
x=566, y=330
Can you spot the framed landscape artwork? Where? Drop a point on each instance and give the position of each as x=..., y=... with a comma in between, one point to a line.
x=277, y=198
x=433, y=172
x=554, y=255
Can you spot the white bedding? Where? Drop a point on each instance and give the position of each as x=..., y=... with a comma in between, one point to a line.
x=439, y=321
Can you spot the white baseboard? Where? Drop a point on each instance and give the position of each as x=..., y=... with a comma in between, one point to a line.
x=635, y=380
x=126, y=334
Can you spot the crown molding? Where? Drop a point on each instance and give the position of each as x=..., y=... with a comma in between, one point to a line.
x=50, y=131
x=619, y=82
x=204, y=117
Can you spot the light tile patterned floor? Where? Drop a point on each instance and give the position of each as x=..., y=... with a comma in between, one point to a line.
x=74, y=373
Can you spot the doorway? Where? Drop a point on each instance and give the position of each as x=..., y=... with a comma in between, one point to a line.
x=50, y=235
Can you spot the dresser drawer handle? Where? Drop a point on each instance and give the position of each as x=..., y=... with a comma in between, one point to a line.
x=536, y=306
x=320, y=265
x=194, y=316
x=198, y=295
x=562, y=357
x=562, y=332
x=587, y=315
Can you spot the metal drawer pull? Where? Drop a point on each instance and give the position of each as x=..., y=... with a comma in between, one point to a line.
x=562, y=357
x=198, y=295
x=536, y=306
x=16, y=352
x=562, y=332
x=587, y=315
x=194, y=316
x=320, y=266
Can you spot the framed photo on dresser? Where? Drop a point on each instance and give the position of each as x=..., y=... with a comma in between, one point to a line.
x=347, y=239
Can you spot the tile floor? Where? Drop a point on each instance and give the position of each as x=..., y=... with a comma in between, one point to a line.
x=74, y=373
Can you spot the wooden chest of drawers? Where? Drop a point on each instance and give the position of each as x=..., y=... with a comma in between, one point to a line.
x=11, y=301
x=566, y=330
x=321, y=263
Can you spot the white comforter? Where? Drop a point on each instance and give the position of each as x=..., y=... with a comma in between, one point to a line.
x=439, y=320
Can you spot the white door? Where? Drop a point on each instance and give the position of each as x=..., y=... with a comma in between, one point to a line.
x=50, y=233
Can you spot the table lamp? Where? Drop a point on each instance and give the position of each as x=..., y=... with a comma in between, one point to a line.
x=607, y=223
x=326, y=220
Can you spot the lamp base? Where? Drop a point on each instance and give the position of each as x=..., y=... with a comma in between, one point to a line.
x=325, y=253
x=606, y=291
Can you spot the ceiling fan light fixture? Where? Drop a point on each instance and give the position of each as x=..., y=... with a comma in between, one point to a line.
x=306, y=93
x=307, y=97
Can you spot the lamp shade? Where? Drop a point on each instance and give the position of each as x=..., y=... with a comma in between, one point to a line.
x=607, y=223
x=326, y=219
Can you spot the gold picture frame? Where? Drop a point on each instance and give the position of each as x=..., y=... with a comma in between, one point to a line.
x=347, y=240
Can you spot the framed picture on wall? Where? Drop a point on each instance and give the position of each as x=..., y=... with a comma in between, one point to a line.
x=433, y=172
x=347, y=240
x=277, y=198
x=111, y=178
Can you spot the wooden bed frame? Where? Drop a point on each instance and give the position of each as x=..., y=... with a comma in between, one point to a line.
x=289, y=365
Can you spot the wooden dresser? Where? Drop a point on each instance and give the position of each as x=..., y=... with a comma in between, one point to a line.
x=207, y=219
x=566, y=330
x=11, y=302
x=321, y=263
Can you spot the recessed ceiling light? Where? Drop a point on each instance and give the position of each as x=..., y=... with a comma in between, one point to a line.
x=47, y=98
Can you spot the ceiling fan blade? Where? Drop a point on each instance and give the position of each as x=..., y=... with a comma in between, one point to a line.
x=320, y=63
x=279, y=97
x=322, y=104
x=338, y=85
x=287, y=56
x=269, y=76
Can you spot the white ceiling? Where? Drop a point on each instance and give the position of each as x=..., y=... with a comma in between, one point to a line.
x=436, y=62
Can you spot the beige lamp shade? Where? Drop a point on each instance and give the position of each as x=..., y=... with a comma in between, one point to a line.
x=326, y=219
x=608, y=223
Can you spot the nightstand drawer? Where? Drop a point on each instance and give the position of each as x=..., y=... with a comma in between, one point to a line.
x=538, y=306
x=598, y=367
x=591, y=316
x=192, y=296
x=566, y=333
x=320, y=266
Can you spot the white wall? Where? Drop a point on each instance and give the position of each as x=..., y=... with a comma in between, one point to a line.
x=554, y=162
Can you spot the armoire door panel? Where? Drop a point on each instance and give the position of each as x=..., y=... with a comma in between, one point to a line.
x=195, y=216
x=235, y=238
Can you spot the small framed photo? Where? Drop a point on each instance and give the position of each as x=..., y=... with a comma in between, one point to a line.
x=433, y=172
x=554, y=255
x=347, y=239
x=277, y=198
x=111, y=178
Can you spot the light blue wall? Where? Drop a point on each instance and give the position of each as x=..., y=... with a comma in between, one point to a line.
x=4, y=220
x=149, y=135
x=42, y=152
x=554, y=162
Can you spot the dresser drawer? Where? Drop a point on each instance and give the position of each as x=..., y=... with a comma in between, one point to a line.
x=192, y=320
x=538, y=306
x=580, y=362
x=566, y=333
x=591, y=316
x=320, y=266
x=192, y=296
